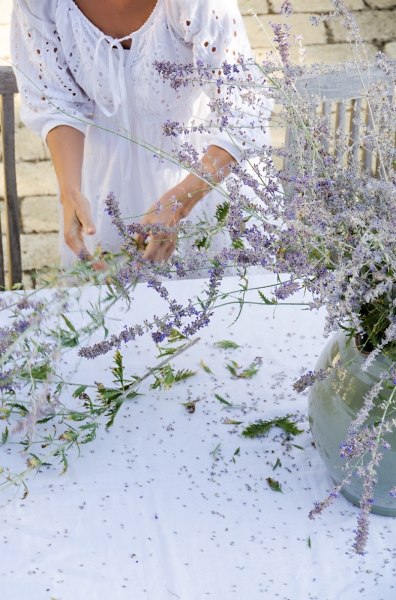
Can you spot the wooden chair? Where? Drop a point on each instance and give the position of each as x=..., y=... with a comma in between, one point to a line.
x=344, y=89
x=8, y=87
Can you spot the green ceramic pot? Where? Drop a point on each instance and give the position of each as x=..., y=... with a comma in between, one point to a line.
x=333, y=405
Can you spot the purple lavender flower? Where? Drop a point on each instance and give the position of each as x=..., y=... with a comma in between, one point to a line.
x=286, y=289
x=281, y=38
x=286, y=8
x=308, y=379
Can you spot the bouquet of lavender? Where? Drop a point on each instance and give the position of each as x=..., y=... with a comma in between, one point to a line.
x=327, y=219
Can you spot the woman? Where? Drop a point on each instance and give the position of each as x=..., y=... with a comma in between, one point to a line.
x=85, y=71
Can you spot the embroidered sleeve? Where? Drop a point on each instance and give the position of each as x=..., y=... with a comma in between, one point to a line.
x=50, y=95
x=216, y=32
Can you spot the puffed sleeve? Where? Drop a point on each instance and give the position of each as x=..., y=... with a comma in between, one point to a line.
x=216, y=32
x=50, y=96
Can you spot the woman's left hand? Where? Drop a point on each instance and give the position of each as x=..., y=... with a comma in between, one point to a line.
x=161, y=245
x=178, y=202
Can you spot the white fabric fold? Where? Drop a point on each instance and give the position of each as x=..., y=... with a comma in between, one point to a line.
x=117, y=87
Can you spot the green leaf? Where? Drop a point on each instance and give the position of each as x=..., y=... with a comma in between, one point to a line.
x=169, y=378
x=69, y=341
x=263, y=427
x=45, y=420
x=205, y=368
x=184, y=374
x=112, y=413
x=118, y=370
x=4, y=436
x=70, y=326
x=289, y=426
x=255, y=429
x=252, y=370
x=216, y=450
x=277, y=464
x=69, y=435
x=91, y=428
x=167, y=351
x=166, y=377
x=274, y=485
x=64, y=461
x=226, y=345
x=222, y=211
x=237, y=451
x=4, y=413
x=299, y=447
x=266, y=300
x=109, y=394
x=201, y=303
x=249, y=372
x=38, y=371
x=309, y=541
x=176, y=336
x=21, y=407
x=237, y=244
x=35, y=462
x=232, y=370
x=222, y=400
x=235, y=364
x=202, y=243
x=75, y=416
x=80, y=390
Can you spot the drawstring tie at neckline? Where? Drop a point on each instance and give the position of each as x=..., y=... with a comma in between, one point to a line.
x=117, y=91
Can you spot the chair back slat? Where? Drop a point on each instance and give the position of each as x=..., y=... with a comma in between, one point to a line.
x=8, y=83
x=8, y=87
x=327, y=116
x=289, y=142
x=2, y=277
x=10, y=191
x=340, y=129
x=367, y=152
x=355, y=133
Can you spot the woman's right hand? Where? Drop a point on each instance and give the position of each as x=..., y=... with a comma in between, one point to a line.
x=78, y=221
x=66, y=145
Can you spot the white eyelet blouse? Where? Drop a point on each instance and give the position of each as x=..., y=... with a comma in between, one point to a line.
x=71, y=73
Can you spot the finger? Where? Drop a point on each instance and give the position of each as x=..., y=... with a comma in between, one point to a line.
x=84, y=216
x=85, y=256
x=169, y=250
x=74, y=239
x=140, y=240
x=99, y=266
x=152, y=252
x=80, y=223
x=159, y=251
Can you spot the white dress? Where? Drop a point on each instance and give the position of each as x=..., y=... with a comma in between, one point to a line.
x=95, y=85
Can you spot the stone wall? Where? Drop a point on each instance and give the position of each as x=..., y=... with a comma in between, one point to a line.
x=325, y=43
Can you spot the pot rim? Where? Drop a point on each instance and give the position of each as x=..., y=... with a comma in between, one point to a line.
x=357, y=344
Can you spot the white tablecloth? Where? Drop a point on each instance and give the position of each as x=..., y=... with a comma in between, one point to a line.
x=147, y=513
